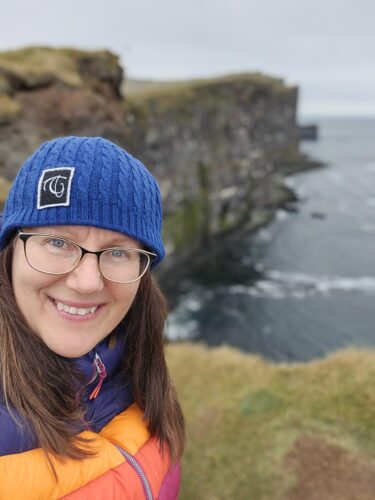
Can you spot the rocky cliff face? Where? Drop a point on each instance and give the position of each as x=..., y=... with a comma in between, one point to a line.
x=218, y=147
x=50, y=92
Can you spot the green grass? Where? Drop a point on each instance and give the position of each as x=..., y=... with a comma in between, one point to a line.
x=141, y=90
x=244, y=415
x=38, y=64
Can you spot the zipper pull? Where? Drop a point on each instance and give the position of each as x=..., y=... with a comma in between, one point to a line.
x=102, y=372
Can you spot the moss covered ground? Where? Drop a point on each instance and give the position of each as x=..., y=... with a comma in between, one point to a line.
x=251, y=424
x=37, y=65
x=149, y=88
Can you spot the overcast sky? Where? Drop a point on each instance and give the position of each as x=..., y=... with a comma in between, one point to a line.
x=326, y=48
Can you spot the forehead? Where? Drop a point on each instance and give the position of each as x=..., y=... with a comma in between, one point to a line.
x=82, y=233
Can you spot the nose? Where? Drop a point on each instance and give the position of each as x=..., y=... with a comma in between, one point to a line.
x=86, y=277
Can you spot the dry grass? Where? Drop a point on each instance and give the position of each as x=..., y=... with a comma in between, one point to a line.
x=34, y=62
x=36, y=65
x=244, y=415
x=144, y=89
x=9, y=108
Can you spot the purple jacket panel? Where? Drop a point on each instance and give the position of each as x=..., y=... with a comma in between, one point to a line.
x=171, y=484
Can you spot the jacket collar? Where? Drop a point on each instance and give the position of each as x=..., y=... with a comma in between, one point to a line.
x=109, y=356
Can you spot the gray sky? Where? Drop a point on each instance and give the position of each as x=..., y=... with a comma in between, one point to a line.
x=327, y=48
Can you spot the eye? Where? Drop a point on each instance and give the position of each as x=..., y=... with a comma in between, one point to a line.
x=120, y=253
x=57, y=243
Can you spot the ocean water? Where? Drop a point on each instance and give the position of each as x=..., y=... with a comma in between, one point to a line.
x=305, y=285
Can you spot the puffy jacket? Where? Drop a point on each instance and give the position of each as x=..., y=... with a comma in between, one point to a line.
x=128, y=463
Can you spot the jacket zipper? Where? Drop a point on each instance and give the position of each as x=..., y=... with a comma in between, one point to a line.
x=102, y=372
x=98, y=369
x=138, y=469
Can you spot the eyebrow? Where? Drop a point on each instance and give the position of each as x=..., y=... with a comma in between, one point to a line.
x=119, y=242
x=73, y=235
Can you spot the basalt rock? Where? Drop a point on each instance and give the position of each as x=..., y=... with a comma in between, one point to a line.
x=218, y=147
x=47, y=92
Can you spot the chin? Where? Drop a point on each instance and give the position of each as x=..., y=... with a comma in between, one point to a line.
x=70, y=350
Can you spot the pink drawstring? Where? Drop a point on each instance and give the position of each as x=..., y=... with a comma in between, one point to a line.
x=102, y=375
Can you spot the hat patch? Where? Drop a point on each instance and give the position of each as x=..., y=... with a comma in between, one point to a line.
x=54, y=187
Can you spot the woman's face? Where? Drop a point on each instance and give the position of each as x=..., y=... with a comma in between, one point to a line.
x=40, y=296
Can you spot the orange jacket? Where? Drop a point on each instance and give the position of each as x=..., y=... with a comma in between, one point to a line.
x=108, y=475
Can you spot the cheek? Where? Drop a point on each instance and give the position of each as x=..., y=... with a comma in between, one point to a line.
x=24, y=293
x=26, y=285
x=125, y=297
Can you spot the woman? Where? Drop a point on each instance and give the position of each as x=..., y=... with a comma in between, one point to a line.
x=86, y=405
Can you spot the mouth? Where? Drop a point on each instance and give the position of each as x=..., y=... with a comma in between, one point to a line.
x=77, y=310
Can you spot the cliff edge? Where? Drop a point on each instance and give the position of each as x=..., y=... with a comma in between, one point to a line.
x=219, y=147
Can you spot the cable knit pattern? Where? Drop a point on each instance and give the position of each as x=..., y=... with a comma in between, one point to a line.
x=109, y=189
x=83, y=184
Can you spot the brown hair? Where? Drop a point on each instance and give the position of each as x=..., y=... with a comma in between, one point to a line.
x=31, y=381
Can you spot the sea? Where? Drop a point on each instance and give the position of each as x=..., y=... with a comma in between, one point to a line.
x=304, y=286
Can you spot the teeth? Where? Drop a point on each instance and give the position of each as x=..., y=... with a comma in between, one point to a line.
x=81, y=311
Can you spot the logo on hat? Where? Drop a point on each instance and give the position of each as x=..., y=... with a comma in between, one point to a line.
x=54, y=187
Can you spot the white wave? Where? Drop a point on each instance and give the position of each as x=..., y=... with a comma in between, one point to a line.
x=183, y=330
x=263, y=235
x=192, y=304
x=290, y=182
x=180, y=324
x=282, y=214
x=278, y=285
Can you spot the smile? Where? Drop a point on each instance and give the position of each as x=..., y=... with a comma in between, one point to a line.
x=76, y=311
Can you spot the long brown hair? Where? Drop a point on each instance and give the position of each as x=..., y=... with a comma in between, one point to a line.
x=32, y=382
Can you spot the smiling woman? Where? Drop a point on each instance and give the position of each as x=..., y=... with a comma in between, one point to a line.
x=56, y=284
x=82, y=368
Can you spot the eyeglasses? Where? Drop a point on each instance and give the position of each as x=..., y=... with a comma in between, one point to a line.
x=52, y=254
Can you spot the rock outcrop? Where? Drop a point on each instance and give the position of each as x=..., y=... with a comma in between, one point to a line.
x=50, y=92
x=218, y=147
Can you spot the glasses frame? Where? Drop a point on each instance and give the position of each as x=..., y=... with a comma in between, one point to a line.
x=25, y=236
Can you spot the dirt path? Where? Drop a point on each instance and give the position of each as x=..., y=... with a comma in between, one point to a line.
x=325, y=471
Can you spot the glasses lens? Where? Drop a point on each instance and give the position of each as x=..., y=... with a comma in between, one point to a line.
x=51, y=254
x=123, y=265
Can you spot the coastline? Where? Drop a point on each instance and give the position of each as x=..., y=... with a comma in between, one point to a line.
x=178, y=268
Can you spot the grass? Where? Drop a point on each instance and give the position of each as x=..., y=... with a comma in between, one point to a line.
x=9, y=109
x=144, y=89
x=245, y=414
x=38, y=64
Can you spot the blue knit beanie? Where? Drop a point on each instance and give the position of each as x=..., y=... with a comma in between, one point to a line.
x=86, y=181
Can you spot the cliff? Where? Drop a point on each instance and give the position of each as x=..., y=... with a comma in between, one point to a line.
x=48, y=92
x=218, y=147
